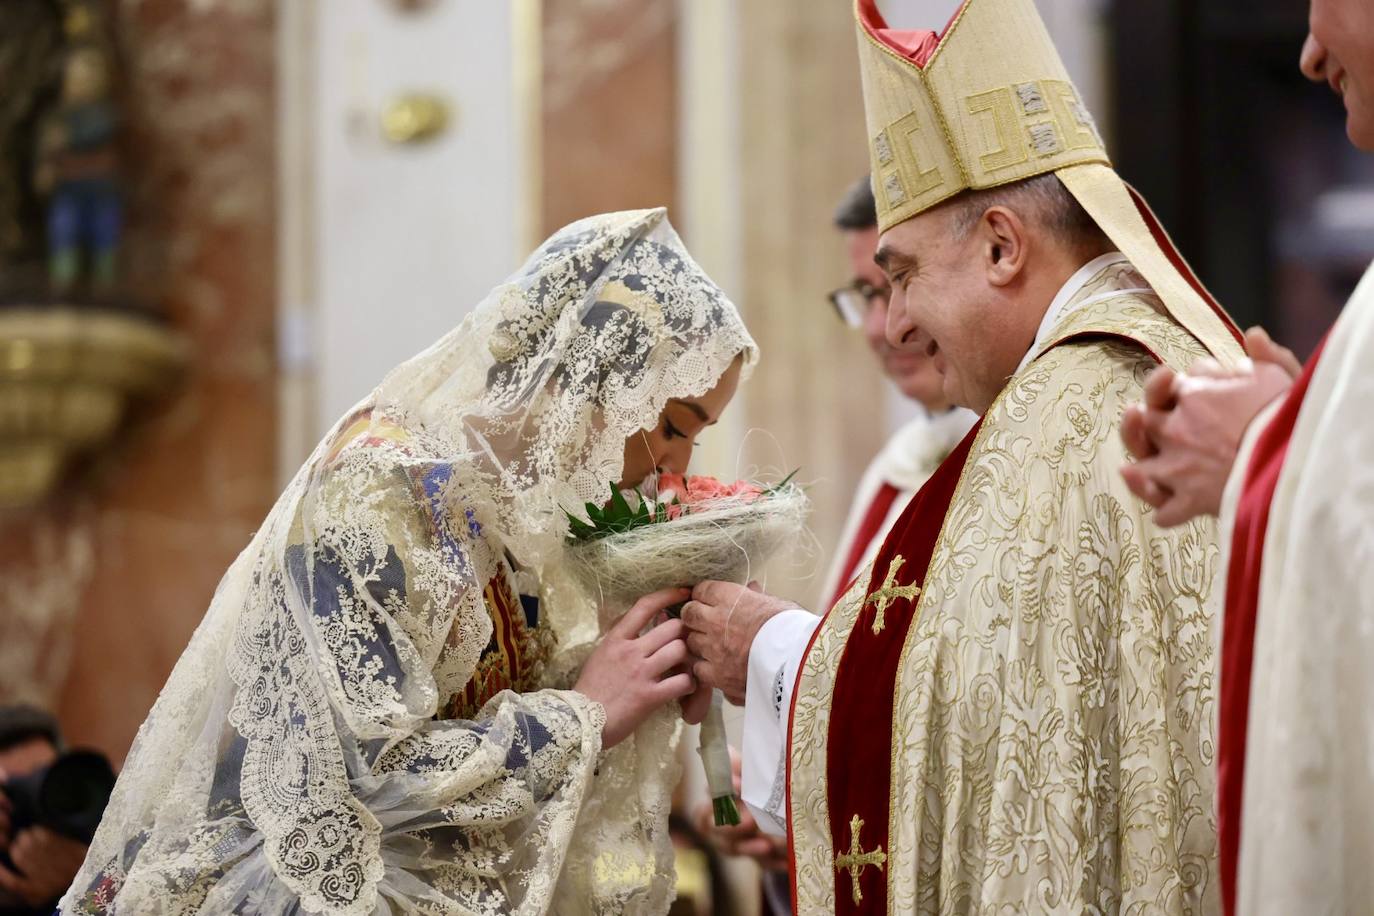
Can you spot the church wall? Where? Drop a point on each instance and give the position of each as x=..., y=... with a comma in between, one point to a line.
x=609, y=108
x=101, y=588
x=405, y=237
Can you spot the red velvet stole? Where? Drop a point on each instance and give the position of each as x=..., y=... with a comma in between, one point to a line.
x=859, y=742
x=1238, y=627
x=860, y=749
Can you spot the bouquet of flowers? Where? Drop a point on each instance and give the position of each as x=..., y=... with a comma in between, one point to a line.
x=689, y=530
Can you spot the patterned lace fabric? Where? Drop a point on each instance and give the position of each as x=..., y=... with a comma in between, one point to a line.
x=294, y=761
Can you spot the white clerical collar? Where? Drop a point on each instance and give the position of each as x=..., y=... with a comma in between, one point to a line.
x=1063, y=303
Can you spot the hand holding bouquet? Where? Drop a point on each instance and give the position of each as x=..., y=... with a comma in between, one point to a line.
x=690, y=530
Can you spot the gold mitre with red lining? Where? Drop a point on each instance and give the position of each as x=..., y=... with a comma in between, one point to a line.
x=988, y=102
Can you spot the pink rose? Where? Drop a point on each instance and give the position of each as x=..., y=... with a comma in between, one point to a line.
x=670, y=481
x=744, y=488
x=671, y=486
x=702, y=489
x=679, y=494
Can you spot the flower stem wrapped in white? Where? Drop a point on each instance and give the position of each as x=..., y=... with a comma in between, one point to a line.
x=715, y=757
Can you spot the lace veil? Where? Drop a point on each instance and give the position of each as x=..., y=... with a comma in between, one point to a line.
x=294, y=761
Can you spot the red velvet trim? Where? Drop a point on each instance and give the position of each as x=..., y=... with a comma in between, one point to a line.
x=916, y=45
x=860, y=735
x=878, y=511
x=1166, y=245
x=1238, y=627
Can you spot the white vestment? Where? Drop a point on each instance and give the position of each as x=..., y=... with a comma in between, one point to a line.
x=1307, y=826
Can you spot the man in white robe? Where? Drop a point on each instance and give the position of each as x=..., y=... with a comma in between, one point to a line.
x=1283, y=454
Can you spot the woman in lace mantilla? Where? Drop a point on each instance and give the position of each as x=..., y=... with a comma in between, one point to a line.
x=390, y=705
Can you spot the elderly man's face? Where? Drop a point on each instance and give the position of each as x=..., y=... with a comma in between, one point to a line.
x=1340, y=51
x=943, y=305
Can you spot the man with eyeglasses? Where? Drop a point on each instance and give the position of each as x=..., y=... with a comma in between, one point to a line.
x=918, y=447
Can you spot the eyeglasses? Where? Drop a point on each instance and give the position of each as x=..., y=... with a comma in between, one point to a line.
x=853, y=302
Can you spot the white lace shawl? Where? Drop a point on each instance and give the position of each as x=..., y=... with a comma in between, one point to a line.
x=293, y=762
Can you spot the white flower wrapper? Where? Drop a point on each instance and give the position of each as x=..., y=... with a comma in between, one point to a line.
x=727, y=539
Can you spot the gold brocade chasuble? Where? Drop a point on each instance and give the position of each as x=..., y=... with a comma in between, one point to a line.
x=1011, y=711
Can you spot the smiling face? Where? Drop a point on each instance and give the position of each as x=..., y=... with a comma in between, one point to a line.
x=973, y=277
x=909, y=368
x=944, y=306
x=668, y=445
x=1340, y=51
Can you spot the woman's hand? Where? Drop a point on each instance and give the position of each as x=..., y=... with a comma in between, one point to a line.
x=632, y=675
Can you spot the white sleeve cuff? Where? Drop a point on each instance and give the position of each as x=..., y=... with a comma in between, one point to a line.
x=774, y=660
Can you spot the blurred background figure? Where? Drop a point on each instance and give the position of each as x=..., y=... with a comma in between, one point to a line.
x=50, y=805
x=747, y=841
x=309, y=191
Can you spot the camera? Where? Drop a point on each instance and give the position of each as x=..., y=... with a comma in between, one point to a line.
x=67, y=797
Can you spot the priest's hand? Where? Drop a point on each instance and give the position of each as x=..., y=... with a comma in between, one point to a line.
x=630, y=673
x=722, y=620
x=1185, y=434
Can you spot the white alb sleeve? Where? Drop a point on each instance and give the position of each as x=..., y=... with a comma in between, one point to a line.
x=775, y=659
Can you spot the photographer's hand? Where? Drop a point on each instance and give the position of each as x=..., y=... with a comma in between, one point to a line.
x=44, y=865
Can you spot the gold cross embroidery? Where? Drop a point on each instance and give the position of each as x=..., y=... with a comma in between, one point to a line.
x=883, y=598
x=856, y=860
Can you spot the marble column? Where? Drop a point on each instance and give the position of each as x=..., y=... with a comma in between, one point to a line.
x=609, y=107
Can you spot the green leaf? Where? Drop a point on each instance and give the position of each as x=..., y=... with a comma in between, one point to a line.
x=620, y=507
x=580, y=529
x=778, y=488
x=725, y=812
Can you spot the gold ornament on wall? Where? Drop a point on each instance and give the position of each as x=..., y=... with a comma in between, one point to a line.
x=416, y=117
x=76, y=349
x=67, y=379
